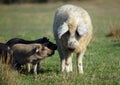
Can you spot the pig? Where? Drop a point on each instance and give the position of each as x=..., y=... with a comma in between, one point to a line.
x=72, y=30
x=45, y=41
x=26, y=54
x=5, y=53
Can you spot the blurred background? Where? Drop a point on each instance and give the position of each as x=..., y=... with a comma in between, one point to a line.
x=33, y=1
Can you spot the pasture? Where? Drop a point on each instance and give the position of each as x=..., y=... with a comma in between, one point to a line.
x=101, y=62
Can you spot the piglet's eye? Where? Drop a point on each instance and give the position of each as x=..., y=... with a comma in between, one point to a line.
x=43, y=48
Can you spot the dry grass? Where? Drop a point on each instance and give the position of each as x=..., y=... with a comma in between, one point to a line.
x=114, y=30
x=114, y=33
x=8, y=76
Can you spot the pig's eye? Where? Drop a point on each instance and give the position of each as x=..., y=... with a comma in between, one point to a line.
x=77, y=35
x=68, y=32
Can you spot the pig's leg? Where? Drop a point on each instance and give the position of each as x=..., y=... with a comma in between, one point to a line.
x=68, y=62
x=79, y=62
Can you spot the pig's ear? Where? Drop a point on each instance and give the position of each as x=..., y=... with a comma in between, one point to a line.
x=62, y=29
x=82, y=29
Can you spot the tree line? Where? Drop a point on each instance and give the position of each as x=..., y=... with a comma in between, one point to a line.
x=31, y=1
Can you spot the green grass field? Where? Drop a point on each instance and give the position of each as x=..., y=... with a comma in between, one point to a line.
x=32, y=21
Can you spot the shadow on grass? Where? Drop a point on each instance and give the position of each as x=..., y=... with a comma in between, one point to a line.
x=116, y=45
x=41, y=71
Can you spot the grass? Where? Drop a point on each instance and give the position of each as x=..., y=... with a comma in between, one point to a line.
x=8, y=76
x=33, y=21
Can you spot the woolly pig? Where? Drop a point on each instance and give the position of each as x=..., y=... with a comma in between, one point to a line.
x=72, y=31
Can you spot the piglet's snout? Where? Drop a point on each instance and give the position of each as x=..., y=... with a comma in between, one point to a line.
x=48, y=51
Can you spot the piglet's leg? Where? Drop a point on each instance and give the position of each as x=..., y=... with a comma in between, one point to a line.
x=35, y=69
x=28, y=67
x=38, y=66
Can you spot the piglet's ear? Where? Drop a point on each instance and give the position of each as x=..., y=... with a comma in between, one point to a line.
x=62, y=29
x=82, y=29
x=38, y=48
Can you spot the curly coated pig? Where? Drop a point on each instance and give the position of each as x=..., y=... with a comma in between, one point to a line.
x=72, y=31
